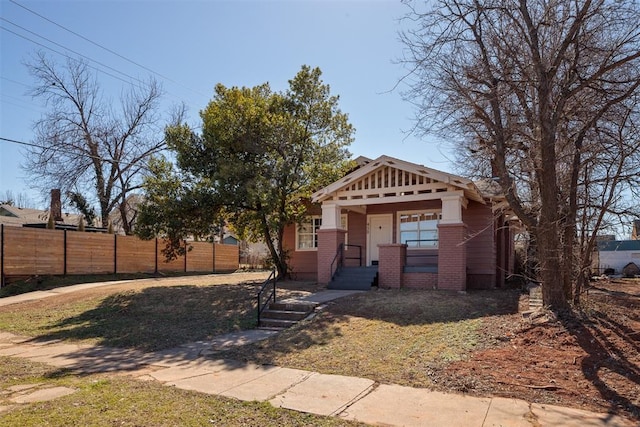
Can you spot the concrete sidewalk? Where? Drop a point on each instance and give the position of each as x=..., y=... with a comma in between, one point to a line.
x=350, y=398
x=189, y=367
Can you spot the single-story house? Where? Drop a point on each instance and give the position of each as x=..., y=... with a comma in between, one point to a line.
x=400, y=224
x=25, y=217
x=615, y=255
x=13, y=216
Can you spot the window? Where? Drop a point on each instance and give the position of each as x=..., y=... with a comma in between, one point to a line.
x=307, y=232
x=419, y=229
x=307, y=235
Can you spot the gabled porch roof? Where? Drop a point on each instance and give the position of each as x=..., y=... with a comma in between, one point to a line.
x=390, y=180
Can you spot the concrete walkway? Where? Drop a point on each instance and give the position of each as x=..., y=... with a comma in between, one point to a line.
x=187, y=367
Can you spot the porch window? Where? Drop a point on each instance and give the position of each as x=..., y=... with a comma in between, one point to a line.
x=419, y=229
x=307, y=232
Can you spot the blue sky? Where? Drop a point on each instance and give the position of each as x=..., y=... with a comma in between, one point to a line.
x=196, y=44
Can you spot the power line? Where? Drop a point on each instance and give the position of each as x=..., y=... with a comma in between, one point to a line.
x=103, y=47
x=14, y=81
x=42, y=147
x=64, y=54
x=72, y=51
x=90, y=41
x=27, y=105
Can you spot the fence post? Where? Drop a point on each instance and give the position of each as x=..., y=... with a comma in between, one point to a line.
x=185, y=256
x=115, y=254
x=213, y=257
x=1, y=255
x=156, y=260
x=64, y=253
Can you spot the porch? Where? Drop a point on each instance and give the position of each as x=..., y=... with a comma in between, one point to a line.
x=404, y=218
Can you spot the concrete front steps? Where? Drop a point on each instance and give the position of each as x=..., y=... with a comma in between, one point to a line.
x=282, y=315
x=355, y=278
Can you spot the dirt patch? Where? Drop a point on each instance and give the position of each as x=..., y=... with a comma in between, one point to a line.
x=591, y=361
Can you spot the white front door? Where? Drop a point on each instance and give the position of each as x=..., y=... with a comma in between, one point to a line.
x=380, y=232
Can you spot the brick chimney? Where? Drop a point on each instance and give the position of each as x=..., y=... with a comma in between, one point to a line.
x=56, y=205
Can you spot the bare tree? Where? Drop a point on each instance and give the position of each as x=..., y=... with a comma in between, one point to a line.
x=538, y=91
x=84, y=145
x=19, y=200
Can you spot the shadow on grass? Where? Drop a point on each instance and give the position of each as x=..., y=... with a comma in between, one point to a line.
x=44, y=283
x=605, y=334
x=419, y=307
x=161, y=317
x=389, y=313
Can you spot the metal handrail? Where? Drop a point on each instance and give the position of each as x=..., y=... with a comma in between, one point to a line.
x=359, y=257
x=273, y=278
x=338, y=260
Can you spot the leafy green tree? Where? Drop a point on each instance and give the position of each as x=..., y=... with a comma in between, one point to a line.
x=259, y=157
x=83, y=206
x=176, y=206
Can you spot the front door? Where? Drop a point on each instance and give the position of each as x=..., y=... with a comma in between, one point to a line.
x=380, y=233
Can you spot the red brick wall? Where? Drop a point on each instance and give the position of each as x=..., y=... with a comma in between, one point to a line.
x=357, y=224
x=391, y=265
x=481, y=247
x=452, y=257
x=420, y=280
x=328, y=241
x=303, y=264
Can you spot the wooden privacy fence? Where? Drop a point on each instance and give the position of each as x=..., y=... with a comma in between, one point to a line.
x=31, y=251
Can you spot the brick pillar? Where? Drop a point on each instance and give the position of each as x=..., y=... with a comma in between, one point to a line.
x=452, y=257
x=391, y=265
x=328, y=241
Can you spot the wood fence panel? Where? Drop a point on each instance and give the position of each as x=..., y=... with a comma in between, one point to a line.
x=200, y=257
x=168, y=266
x=33, y=251
x=226, y=258
x=134, y=255
x=28, y=251
x=89, y=253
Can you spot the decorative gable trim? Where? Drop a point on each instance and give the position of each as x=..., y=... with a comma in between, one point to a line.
x=386, y=178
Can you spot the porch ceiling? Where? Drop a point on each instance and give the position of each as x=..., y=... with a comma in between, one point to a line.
x=389, y=180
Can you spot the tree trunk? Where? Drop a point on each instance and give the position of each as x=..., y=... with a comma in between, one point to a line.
x=549, y=249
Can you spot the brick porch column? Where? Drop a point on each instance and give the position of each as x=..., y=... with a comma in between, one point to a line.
x=391, y=265
x=328, y=242
x=452, y=257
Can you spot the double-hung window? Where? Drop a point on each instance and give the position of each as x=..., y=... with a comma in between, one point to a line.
x=307, y=232
x=419, y=229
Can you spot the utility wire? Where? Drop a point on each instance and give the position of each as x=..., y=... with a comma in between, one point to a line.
x=73, y=51
x=103, y=47
x=91, y=156
x=64, y=54
x=14, y=81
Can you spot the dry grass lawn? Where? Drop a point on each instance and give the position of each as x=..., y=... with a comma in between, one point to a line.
x=390, y=336
x=477, y=343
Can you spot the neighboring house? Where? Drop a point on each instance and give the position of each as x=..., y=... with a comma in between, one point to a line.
x=230, y=239
x=25, y=217
x=615, y=255
x=131, y=207
x=409, y=225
